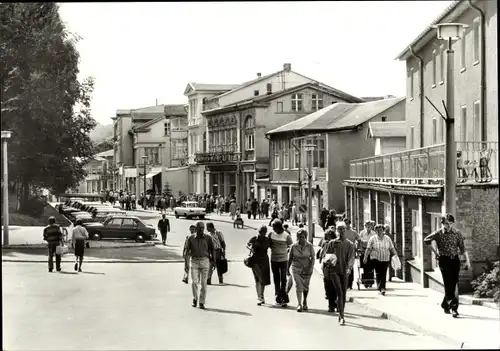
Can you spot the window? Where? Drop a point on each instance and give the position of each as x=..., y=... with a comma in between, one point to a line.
x=321, y=153
x=366, y=210
x=153, y=154
x=463, y=123
x=317, y=102
x=412, y=84
x=250, y=142
x=167, y=128
x=178, y=124
x=115, y=221
x=204, y=141
x=296, y=154
x=477, y=121
x=387, y=213
x=476, y=36
x=412, y=137
x=441, y=64
x=180, y=149
x=286, y=154
x=384, y=118
x=249, y=133
x=255, y=93
x=128, y=222
x=434, y=73
x=416, y=235
x=463, y=48
x=276, y=154
x=297, y=102
x=434, y=131
x=279, y=106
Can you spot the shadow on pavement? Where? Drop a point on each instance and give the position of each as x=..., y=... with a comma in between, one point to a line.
x=365, y=327
x=217, y=310
x=406, y=295
x=468, y=316
x=354, y=315
x=235, y=285
x=65, y=272
x=97, y=273
x=321, y=312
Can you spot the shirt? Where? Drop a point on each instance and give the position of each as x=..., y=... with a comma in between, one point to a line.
x=52, y=233
x=351, y=235
x=79, y=233
x=450, y=243
x=218, y=240
x=279, y=246
x=364, y=237
x=199, y=246
x=380, y=248
x=302, y=258
x=344, y=250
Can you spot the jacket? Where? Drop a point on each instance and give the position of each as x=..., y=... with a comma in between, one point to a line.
x=52, y=233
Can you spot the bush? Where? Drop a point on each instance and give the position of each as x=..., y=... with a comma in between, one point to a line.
x=34, y=207
x=488, y=284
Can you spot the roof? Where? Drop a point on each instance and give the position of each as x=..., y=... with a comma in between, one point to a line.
x=265, y=98
x=209, y=87
x=455, y=9
x=339, y=116
x=149, y=123
x=175, y=110
x=107, y=153
x=375, y=98
x=391, y=129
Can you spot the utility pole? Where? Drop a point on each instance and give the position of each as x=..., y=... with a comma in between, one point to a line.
x=451, y=148
x=5, y=137
x=309, y=198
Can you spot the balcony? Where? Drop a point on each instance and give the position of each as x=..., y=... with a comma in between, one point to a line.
x=477, y=162
x=217, y=155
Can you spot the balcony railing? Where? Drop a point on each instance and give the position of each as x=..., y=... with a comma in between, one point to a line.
x=216, y=157
x=476, y=162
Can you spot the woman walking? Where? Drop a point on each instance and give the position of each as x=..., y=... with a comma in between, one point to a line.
x=259, y=246
x=330, y=293
x=380, y=250
x=301, y=260
x=450, y=244
x=338, y=261
x=78, y=238
x=280, y=243
x=364, y=236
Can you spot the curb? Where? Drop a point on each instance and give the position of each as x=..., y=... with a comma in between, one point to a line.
x=467, y=300
x=108, y=261
x=44, y=246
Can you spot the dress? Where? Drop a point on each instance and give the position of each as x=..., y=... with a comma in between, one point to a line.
x=302, y=265
x=260, y=267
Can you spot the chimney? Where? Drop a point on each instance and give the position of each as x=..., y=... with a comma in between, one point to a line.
x=259, y=75
x=287, y=67
x=269, y=88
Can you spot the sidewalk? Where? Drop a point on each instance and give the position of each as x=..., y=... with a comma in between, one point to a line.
x=419, y=309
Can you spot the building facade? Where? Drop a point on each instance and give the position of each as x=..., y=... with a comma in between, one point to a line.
x=99, y=174
x=197, y=95
x=339, y=132
x=405, y=189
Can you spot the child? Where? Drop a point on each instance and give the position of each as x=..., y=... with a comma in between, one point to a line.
x=238, y=222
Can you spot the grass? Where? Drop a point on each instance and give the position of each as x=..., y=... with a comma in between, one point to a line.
x=20, y=219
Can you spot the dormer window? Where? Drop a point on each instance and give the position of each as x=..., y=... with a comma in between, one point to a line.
x=297, y=102
x=255, y=93
x=317, y=102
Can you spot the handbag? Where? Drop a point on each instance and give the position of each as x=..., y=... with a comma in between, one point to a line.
x=289, y=284
x=62, y=249
x=249, y=260
x=222, y=266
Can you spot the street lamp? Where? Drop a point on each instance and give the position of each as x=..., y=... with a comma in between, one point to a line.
x=449, y=32
x=5, y=137
x=144, y=160
x=309, y=148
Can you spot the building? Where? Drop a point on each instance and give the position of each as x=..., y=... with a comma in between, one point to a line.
x=98, y=176
x=405, y=189
x=197, y=95
x=340, y=133
x=389, y=137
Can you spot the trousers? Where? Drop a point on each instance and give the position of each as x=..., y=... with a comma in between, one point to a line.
x=52, y=252
x=450, y=269
x=199, y=274
x=381, y=272
x=340, y=283
x=279, y=277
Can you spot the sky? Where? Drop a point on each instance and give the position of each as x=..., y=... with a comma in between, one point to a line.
x=141, y=52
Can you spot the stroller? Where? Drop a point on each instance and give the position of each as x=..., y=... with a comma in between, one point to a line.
x=366, y=276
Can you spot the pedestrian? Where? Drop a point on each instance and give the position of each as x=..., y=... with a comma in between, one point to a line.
x=259, y=246
x=353, y=236
x=362, y=244
x=301, y=260
x=285, y=227
x=164, y=228
x=232, y=209
x=219, y=246
x=248, y=208
x=192, y=231
x=380, y=250
x=78, y=238
x=331, y=219
x=199, y=247
x=53, y=235
x=330, y=292
x=274, y=215
x=280, y=244
x=450, y=244
x=255, y=207
x=295, y=216
x=388, y=232
x=338, y=262
x=323, y=216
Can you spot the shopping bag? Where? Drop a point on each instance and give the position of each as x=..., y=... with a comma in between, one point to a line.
x=289, y=284
x=62, y=249
x=395, y=263
x=222, y=266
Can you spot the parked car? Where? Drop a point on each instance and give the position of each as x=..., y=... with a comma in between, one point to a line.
x=189, y=209
x=121, y=227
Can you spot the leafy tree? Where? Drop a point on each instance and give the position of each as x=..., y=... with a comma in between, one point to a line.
x=43, y=103
x=102, y=146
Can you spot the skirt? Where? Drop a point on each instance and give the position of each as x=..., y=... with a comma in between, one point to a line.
x=301, y=280
x=79, y=247
x=261, y=270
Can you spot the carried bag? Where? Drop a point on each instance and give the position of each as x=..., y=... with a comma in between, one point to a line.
x=222, y=266
x=289, y=284
x=249, y=260
x=62, y=249
x=395, y=263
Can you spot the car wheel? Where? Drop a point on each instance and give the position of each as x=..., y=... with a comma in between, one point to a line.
x=176, y=215
x=202, y=217
x=139, y=238
x=96, y=236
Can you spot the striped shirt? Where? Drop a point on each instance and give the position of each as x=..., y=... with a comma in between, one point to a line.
x=380, y=248
x=279, y=246
x=218, y=240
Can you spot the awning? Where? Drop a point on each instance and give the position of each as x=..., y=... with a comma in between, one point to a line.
x=130, y=172
x=152, y=174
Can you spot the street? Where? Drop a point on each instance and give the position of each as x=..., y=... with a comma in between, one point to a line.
x=146, y=306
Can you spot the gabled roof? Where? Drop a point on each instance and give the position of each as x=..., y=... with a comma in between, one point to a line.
x=339, y=116
x=266, y=98
x=175, y=110
x=393, y=129
x=208, y=87
x=107, y=153
x=145, y=126
x=454, y=10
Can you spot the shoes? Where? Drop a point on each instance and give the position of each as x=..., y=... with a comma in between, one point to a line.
x=195, y=303
x=76, y=266
x=58, y=269
x=202, y=306
x=185, y=280
x=341, y=321
x=304, y=307
x=80, y=270
x=221, y=280
x=455, y=313
x=283, y=304
x=299, y=308
x=50, y=270
x=260, y=302
x=209, y=282
x=446, y=310
x=383, y=292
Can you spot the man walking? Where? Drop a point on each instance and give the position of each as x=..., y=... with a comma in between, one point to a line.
x=353, y=237
x=199, y=247
x=185, y=278
x=53, y=235
x=164, y=228
x=219, y=245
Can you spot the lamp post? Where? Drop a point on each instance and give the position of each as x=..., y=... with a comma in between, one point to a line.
x=449, y=32
x=309, y=148
x=5, y=137
x=144, y=160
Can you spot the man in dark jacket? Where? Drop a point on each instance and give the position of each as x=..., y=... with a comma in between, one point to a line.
x=255, y=207
x=53, y=235
x=164, y=228
x=324, y=214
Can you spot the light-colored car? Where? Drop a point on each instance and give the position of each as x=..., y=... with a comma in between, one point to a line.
x=190, y=209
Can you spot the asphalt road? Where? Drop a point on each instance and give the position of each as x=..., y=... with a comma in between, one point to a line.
x=146, y=307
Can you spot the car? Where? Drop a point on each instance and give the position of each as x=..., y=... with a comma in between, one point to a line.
x=74, y=215
x=121, y=227
x=190, y=209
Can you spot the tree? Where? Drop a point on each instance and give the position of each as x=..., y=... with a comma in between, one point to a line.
x=167, y=190
x=103, y=145
x=43, y=102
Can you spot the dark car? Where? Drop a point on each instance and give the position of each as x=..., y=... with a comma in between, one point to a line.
x=121, y=227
